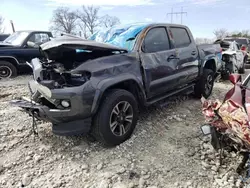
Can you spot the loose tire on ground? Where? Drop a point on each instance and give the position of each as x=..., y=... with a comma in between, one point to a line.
x=201, y=88
x=7, y=70
x=105, y=117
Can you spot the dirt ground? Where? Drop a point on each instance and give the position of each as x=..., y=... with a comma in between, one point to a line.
x=166, y=149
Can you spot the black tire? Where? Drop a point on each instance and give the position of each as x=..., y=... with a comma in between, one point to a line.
x=102, y=121
x=242, y=69
x=7, y=70
x=201, y=88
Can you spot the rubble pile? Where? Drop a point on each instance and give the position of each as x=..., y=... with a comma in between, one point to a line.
x=224, y=174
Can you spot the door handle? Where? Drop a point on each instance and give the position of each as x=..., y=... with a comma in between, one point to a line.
x=172, y=57
x=193, y=53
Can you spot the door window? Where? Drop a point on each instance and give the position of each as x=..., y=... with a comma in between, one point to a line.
x=39, y=38
x=156, y=40
x=181, y=37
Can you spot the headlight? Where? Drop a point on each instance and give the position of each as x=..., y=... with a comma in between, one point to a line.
x=65, y=103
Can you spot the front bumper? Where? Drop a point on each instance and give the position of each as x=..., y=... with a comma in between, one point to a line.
x=65, y=128
x=66, y=121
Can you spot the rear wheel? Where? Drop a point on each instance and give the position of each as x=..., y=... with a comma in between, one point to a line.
x=205, y=85
x=116, y=118
x=7, y=70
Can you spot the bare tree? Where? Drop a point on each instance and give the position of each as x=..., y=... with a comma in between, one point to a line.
x=64, y=20
x=83, y=29
x=220, y=33
x=1, y=24
x=203, y=41
x=109, y=21
x=245, y=33
x=89, y=18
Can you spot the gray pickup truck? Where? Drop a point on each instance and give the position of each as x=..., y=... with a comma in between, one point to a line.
x=86, y=86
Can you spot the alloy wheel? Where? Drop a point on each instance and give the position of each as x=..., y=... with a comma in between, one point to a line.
x=121, y=118
x=209, y=84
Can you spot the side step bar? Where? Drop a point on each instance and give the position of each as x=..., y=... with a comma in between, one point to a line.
x=187, y=90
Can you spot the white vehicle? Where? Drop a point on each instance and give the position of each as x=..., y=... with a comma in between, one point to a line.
x=232, y=57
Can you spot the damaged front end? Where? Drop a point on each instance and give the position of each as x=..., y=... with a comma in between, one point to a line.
x=62, y=89
x=228, y=121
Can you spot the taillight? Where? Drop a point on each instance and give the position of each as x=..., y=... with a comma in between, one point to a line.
x=243, y=48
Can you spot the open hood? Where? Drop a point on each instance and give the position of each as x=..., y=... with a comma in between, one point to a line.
x=66, y=43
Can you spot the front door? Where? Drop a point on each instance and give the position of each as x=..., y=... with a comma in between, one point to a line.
x=158, y=61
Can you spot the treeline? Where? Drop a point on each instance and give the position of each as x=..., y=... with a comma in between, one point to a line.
x=83, y=21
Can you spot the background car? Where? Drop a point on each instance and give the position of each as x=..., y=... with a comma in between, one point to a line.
x=244, y=45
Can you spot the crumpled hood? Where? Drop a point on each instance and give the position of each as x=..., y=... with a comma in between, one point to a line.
x=116, y=64
x=61, y=43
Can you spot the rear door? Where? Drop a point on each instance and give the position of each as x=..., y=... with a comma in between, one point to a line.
x=187, y=52
x=158, y=62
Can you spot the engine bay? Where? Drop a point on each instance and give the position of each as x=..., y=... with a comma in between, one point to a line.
x=58, y=73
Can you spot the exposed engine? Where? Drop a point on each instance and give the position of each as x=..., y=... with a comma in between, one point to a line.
x=55, y=75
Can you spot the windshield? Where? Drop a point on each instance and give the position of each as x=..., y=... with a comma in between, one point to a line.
x=17, y=38
x=123, y=36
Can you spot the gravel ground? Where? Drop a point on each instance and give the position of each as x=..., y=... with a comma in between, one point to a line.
x=166, y=150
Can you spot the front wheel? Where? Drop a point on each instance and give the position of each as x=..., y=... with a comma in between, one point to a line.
x=116, y=118
x=204, y=86
x=7, y=70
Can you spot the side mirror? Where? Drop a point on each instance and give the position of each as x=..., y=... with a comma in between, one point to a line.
x=32, y=44
x=234, y=78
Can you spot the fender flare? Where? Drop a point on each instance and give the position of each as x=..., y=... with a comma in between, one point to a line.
x=209, y=58
x=107, y=83
x=11, y=57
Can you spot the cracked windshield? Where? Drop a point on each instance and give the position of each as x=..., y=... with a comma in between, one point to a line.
x=124, y=94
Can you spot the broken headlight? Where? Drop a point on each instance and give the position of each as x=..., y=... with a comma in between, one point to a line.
x=79, y=78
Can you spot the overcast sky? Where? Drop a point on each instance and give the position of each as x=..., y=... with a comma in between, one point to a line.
x=203, y=16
